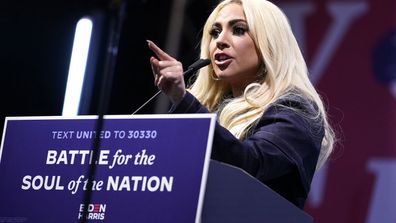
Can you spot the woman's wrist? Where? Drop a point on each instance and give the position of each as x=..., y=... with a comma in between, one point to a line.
x=176, y=99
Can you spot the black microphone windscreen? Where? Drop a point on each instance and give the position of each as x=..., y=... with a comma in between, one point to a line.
x=199, y=64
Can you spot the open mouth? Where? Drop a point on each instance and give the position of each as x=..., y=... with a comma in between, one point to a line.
x=222, y=60
x=221, y=57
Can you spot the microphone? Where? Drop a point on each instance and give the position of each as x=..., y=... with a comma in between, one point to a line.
x=192, y=68
x=196, y=66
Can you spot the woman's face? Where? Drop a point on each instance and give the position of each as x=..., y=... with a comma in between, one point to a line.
x=232, y=50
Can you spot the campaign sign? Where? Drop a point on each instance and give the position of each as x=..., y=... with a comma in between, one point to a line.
x=150, y=168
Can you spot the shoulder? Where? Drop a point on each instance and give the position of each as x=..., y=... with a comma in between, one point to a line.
x=297, y=107
x=293, y=115
x=297, y=103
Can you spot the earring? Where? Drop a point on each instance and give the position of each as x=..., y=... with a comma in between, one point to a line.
x=214, y=77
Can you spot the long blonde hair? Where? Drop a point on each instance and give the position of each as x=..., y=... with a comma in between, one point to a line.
x=285, y=69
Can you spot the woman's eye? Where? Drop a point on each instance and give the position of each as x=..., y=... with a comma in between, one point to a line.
x=239, y=31
x=215, y=32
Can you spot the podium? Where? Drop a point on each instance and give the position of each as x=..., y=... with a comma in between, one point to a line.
x=234, y=196
x=149, y=169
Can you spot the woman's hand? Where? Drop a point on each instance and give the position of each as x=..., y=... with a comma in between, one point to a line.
x=168, y=73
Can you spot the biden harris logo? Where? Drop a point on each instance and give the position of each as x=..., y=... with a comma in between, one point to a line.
x=93, y=211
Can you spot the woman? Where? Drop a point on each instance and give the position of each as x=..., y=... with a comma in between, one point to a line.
x=271, y=121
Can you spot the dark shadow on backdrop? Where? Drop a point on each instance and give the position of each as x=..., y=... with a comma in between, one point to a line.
x=37, y=41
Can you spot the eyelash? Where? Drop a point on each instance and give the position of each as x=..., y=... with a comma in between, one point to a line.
x=214, y=32
x=239, y=30
x=236, y=30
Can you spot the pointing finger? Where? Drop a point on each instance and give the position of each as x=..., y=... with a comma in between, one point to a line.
x=158, y=51
x=154, y=66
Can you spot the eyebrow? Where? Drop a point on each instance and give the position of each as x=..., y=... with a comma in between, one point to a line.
x=231, y=22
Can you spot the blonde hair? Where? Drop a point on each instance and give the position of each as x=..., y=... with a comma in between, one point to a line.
x=285, y=69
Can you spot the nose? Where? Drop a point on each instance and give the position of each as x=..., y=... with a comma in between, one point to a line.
x=222, y=41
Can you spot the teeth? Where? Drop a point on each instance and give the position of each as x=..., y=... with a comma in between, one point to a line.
x=222, y=57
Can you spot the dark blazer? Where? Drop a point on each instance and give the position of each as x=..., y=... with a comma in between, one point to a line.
x=281, y=150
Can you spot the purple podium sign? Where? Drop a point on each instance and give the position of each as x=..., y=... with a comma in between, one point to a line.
x=151, y=168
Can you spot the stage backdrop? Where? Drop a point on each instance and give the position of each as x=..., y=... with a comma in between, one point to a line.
x=350, y=48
